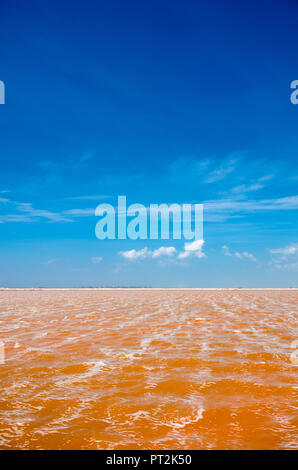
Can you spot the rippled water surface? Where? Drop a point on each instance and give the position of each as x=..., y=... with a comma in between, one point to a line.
x=148, y=369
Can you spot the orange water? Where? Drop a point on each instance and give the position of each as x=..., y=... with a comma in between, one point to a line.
x=148, y=369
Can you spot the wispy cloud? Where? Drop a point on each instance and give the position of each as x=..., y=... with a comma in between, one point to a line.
x=288, y=250
x=51, y=261
x=206, y=170
x=188, y=168
x=222, y=209
x=240, y=255
x=259, y=183
x=285, y=258
x=90, y=198
x=214, y=210
x=79, y=212
x=96, y=259
x=15, y=218
x=40, y=213
x=220, y=173
x=245, y=255
x=26, y=212
x=77, y=163
x=226, y=167
x=291, y=266
x=226, y=250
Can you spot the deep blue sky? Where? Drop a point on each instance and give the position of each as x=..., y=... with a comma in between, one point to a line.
x=162, y=101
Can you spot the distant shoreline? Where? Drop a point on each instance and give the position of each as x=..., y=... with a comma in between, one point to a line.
x=142, y=288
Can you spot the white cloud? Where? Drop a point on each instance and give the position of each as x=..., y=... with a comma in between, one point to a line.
x=96, y=259
x=164, y=251
x=199, y=254
x=184, y=254
x=133, y=255
x=194, y=248
x=249, y=256
x=240, y=255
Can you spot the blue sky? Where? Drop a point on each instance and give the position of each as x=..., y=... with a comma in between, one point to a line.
x=161, y=101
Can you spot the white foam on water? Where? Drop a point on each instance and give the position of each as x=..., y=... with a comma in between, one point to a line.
x=183, y=421
x=294, y=357
x=2, y=352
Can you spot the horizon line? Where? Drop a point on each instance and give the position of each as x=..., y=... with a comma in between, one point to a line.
x=147, y=288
